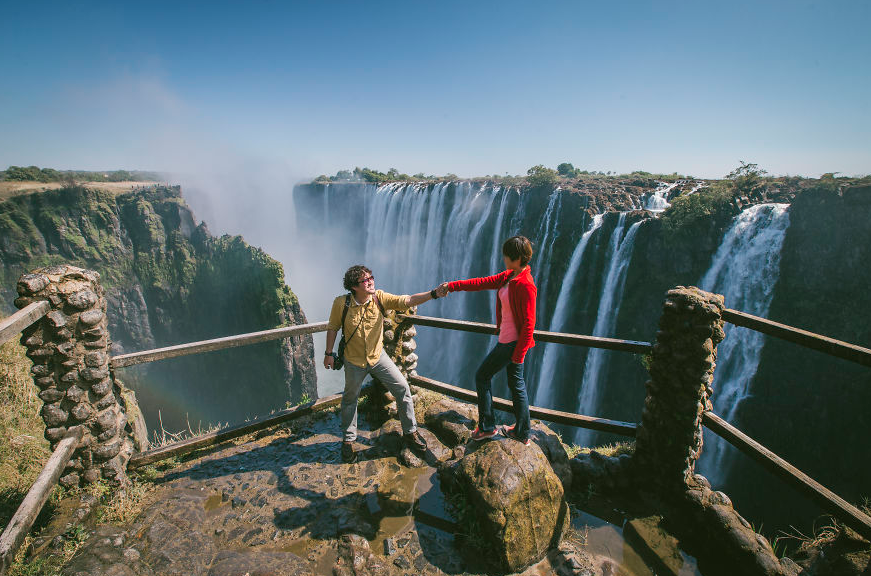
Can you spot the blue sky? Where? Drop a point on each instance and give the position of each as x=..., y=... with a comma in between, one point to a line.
x=469, y=87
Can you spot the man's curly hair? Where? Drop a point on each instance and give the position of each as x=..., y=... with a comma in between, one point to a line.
x=354, y=275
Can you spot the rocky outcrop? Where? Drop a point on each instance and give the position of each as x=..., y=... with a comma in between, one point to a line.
x=168, y=281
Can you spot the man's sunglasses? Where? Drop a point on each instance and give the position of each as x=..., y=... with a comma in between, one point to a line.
x=366, y=279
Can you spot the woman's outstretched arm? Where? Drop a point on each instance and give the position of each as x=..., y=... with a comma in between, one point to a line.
x=474, y=284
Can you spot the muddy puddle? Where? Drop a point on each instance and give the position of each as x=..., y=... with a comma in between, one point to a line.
x=602, y=531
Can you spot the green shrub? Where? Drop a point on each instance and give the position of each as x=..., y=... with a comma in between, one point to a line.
x=694, y=214
x=541, y=176
x=746, y=178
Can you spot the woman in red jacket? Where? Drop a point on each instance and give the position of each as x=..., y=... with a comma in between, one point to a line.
x=515, y=322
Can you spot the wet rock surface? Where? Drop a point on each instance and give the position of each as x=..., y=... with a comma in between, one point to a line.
x=285, y=504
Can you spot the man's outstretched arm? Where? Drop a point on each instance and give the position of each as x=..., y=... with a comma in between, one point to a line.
x=415, y=299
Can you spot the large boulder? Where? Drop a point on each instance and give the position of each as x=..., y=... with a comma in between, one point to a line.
x=518, y=500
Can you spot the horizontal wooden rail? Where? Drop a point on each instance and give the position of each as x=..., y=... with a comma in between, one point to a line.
x=35, y=499
x=540, y=335
x=568, y=418
x=213, y=438
x=830, y=346
x=14, y=324
x=831, y=502
x=216, y=344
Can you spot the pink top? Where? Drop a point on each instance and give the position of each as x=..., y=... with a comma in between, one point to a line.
x=508, y=329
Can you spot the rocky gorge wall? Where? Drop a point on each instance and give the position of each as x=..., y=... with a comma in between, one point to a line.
x=168, y=281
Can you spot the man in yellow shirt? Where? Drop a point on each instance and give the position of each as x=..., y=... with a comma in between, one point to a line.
x=364, y=352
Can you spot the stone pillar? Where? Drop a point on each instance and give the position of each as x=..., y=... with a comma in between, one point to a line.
x=69, y=348
x=669, y=439
x=399, y=343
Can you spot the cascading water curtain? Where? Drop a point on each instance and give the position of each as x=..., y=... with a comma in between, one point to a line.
x=744, y=270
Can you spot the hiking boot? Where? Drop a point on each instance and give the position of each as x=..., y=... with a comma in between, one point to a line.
x=478, y=434
x=349, y=455
x=510, y=432
x=415, y=442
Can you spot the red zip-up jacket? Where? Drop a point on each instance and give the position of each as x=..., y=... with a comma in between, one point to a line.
x=521, y=294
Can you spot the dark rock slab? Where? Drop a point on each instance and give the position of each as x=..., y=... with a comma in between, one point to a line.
x=259, y=563
x=452, y=421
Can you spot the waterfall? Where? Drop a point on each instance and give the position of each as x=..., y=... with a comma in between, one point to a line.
x=498, y=263
x=657, y=201
x=606, y=315
x=473, y=214
x=744, y=270
x=551, y=352
x=548, y=234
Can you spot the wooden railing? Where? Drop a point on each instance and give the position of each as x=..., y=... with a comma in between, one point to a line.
x=214, y=438
x=134, y=358
x=540, y=335
x=192, y=444
x=834, y=504
x=36, y=498
x=830, y=501
x=23, y=519
x=13, y=325
x=825, y=498
x=823, y=344
x=567, y=418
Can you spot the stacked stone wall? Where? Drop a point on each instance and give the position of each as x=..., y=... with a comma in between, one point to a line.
x=669, y=440
x=399, y=342
x=69, y=348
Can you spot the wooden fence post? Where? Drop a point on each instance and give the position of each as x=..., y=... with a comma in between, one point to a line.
x=669, y=439
x=69, y=348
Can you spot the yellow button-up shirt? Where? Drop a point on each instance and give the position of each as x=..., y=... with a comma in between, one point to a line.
x=365, y=346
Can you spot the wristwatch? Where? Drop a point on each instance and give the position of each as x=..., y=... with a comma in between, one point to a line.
x=433, y=294
x=333, y=354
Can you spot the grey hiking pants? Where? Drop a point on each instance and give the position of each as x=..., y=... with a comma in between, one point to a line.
x=389, y=375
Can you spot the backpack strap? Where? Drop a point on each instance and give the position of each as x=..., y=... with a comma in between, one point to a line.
x=380, y=306
x=344, y=315
x=345, y=310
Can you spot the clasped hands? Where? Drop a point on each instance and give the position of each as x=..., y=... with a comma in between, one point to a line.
x=442, y=290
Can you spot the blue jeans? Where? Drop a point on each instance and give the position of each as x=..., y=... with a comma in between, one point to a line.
x=498, y=358
x=389, y=375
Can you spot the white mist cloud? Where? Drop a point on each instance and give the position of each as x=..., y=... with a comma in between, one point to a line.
x=140, y=121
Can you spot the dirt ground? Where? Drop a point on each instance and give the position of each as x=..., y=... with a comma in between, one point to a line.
x=16, y=188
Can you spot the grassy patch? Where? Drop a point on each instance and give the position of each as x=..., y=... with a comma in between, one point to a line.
x=423, y=400
x=800, y=544
x=612, y=450
x=803, y=544
x=49, y=565
x=121, y=506
x=23, y=450
x=163, y=437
